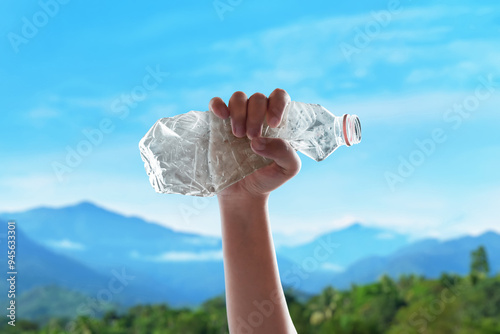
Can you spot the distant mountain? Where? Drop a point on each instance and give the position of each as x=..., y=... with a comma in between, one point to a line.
x=83, y=247
x=159, y=258
x=168, y=266
x=100, y=237
x=429, y=258
x=352, y=244
x=37, y=266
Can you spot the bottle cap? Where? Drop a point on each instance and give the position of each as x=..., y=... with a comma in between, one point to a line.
x=352, y=129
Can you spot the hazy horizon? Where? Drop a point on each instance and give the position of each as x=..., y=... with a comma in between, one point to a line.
x=280, y=239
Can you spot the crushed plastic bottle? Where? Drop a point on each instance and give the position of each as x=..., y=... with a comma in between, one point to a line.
x=197, y=154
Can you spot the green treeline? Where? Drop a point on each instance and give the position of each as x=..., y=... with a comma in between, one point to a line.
x=410, y=304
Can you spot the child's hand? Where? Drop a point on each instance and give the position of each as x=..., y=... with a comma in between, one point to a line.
x=247, y=117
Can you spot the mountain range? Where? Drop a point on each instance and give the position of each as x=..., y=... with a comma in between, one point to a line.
x=87, y=249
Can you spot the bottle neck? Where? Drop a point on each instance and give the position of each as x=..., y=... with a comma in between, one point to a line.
x=350, y=127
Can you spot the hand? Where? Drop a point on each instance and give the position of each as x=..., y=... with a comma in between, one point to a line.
x=247, y=118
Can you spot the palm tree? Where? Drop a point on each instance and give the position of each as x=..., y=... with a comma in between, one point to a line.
x=323, y=306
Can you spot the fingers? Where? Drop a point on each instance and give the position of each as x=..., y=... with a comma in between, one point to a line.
x=218, y=107
x=256, y=112
x=248, y=115
x=286, y=159
x=238, y=112
x=276, y=106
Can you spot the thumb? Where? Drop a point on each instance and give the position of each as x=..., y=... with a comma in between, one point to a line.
x=286, y=159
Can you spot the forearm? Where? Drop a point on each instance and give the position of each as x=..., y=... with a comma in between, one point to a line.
x=254, y=294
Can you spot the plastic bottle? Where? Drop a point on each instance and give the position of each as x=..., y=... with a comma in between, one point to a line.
x=197, y=154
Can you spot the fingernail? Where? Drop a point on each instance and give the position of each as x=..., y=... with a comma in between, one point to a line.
x=259, y=143
x=239, y=131
x=254, y=133
x=274, y=121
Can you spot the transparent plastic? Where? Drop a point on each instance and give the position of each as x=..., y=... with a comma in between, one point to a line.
x=197, y=154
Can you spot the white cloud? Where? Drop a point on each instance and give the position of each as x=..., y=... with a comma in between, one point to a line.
x=29, y=183
x=385, y=236
x=187, y=256
x=472, y=213
x=310, y=50
x=66, y=244
x=156, y=112
x=42, y=113
x=332, y=267
x=410, y=108
x=38, y=117
x=293, y=230
x=100, y=103
x=201, y=241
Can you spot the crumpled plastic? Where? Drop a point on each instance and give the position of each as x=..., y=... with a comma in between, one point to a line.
x=197, y=154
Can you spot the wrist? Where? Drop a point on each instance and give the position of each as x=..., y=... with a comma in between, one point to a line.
x=243, y=199
x=244, y=209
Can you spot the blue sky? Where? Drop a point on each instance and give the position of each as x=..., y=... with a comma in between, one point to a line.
x=406, y=68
